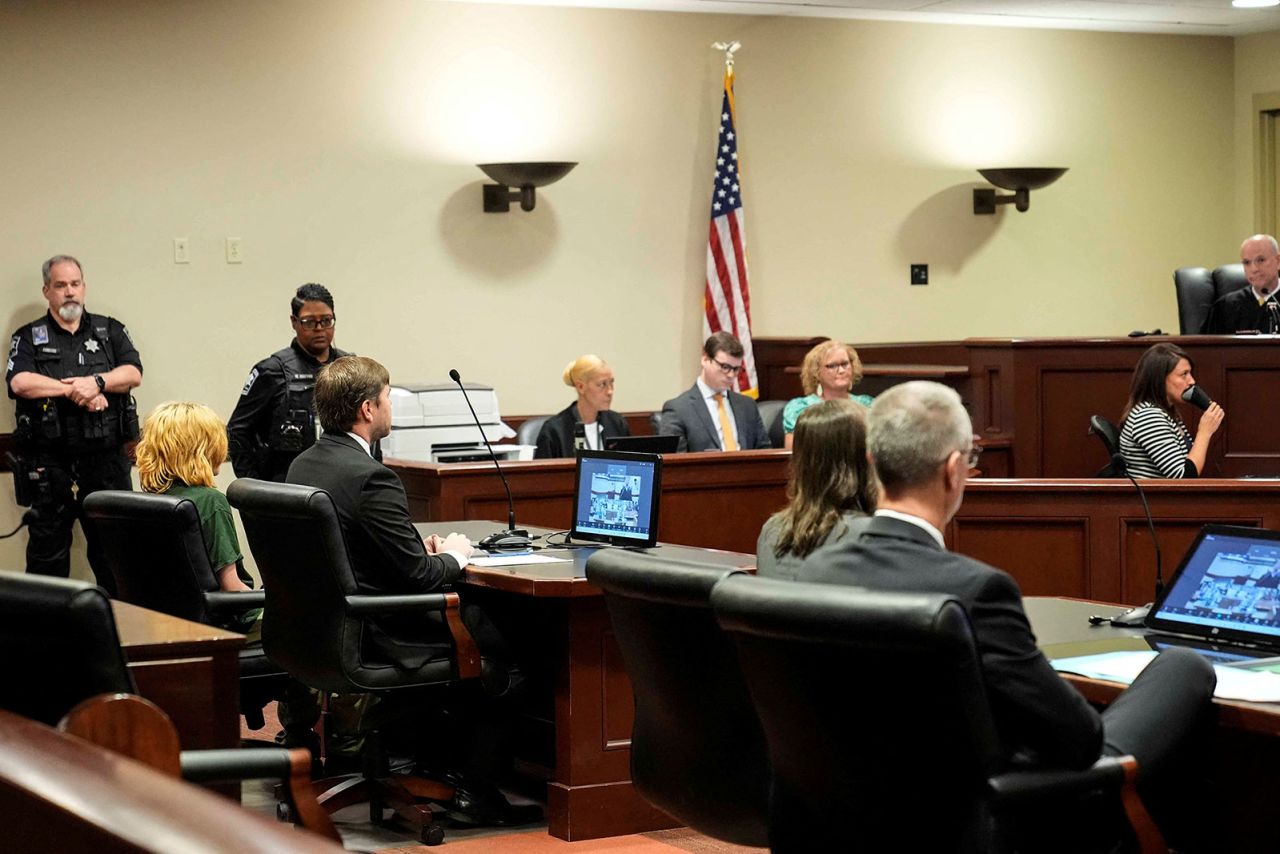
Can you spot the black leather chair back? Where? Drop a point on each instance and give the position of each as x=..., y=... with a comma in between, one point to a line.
x=1197, y=289
x=59, y=645
x=771, y=415
x=697, y=751
x=1109, y=435
x=873, y=707
x=529, y=430
x=297, y=541
x=156, y=551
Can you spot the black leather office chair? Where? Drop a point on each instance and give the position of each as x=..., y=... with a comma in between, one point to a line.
x=156, y=551
x=59, y=643
x=878, y=727
x=697, y=752
x=316, y=628
x=528, y=432
x=771, y=415
x=1109, y=435
x=1197, y=289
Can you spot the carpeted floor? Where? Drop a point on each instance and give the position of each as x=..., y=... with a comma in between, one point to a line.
x=539, y=842
x=359, y=833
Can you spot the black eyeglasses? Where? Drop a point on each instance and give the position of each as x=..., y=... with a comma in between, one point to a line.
x=325, y=322
x=974, y=453
x=728, y=369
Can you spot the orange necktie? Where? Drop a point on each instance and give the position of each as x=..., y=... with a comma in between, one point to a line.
x=726, y=426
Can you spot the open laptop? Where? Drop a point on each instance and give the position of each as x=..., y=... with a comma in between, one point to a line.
x=616, y=497
x=643, y=444
x=1225, y=593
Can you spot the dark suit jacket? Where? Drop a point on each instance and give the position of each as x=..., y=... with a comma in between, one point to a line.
x=1236, y=311
x=1040, y=718
x=686, y=416
x=387, y=554
x=555, y=439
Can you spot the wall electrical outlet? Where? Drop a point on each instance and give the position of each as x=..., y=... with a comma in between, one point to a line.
x=235, y=254
x=919, y=274
x=181, y=250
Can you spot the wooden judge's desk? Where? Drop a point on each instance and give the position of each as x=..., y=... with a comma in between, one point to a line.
x=1031, y=398
x=713, y=500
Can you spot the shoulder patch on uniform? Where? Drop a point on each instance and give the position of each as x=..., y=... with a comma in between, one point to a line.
x=14, y=344
x=124, y=330
x=248, y=384
x=40, y=334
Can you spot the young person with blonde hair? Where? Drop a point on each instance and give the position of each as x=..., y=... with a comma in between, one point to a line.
x=182, y=447
x=592, y=378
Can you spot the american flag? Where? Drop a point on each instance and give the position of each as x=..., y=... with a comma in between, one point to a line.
x=727, y=300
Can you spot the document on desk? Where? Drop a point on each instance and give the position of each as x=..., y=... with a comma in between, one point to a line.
x=1234, y=683
x=522, y=559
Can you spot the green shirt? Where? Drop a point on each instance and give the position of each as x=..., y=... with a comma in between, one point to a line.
x=217, y=525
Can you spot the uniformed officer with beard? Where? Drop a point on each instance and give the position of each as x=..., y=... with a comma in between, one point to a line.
x=71, y=373
x=274, y=420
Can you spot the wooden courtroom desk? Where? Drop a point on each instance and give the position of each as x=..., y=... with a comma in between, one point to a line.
x=710, y=499
x=189, y=670
x=1036, y=394
x=1245, y=748
x=1088, y=538
x=590, y=794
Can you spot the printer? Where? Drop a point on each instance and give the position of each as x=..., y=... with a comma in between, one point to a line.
x=431, y=423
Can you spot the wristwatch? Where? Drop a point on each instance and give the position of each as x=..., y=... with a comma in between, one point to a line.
x=102, y=384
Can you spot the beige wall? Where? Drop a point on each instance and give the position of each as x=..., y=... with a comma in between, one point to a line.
x=338, y=140
x=1257, y=72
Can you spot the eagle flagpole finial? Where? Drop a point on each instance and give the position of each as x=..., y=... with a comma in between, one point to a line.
x=729, y=49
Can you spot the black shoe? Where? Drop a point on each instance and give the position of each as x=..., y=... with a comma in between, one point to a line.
x=484, y=806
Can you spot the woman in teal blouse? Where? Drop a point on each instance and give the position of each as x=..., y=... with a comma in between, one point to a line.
x=828, y=372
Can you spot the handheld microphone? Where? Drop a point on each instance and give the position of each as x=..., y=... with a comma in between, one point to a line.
x=513, y=538
x=1197, y=397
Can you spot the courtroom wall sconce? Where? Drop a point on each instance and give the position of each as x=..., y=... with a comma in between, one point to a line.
x=1021, y=181
x=517, y=181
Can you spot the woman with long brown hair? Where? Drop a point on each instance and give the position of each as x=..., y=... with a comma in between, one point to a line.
x=831, y=486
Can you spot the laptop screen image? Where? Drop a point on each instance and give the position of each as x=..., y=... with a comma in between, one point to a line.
x=1227, y=588
x=616, y=497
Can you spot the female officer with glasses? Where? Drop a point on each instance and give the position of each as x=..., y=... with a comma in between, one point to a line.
x=828, y=372
x=274, y=420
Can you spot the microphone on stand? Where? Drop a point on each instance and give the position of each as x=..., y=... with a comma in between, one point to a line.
x=512, y=539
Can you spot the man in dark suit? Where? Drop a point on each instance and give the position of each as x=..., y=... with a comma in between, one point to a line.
x=920, y=440
x=353, y=404
x=711, y=416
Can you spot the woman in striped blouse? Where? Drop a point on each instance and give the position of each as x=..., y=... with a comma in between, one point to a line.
x=1154, y=441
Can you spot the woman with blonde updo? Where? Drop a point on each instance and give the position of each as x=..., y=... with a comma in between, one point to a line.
x=829, y=372
x=592, y=378
x=182, y=447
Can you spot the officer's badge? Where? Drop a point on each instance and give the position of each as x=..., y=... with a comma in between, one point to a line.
x=248, y=384
x=40, y=334
x=92, y=346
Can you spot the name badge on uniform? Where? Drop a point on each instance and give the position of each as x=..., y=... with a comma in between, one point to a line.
x=40, y=334
x=92, y=346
